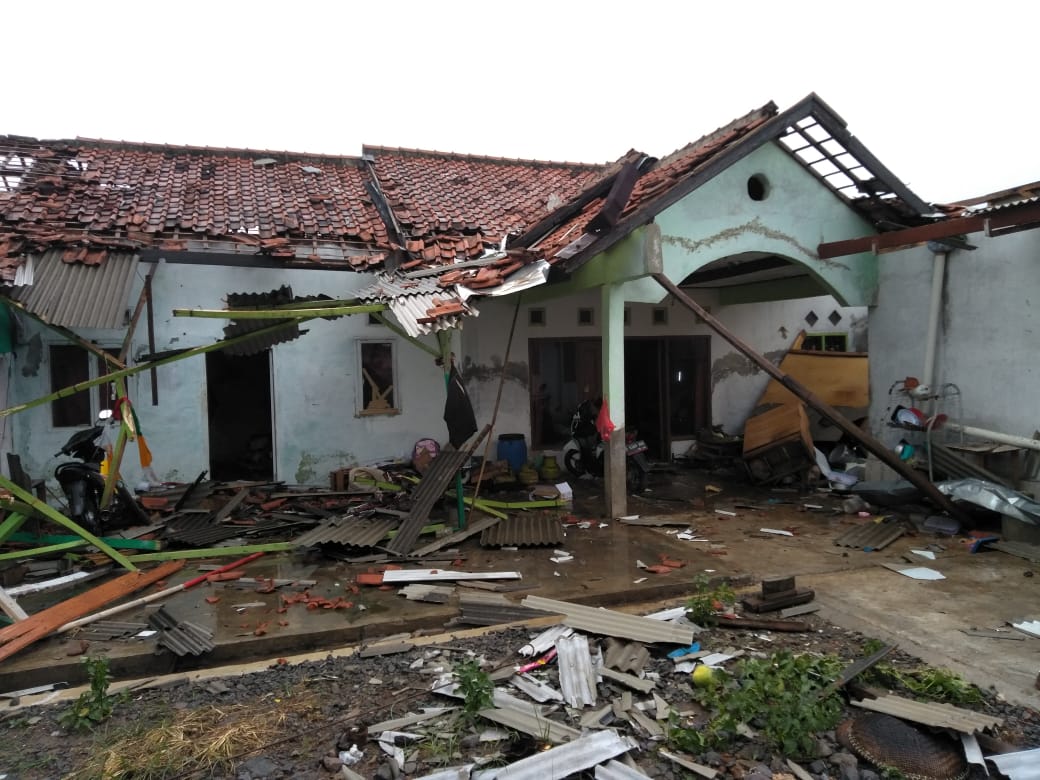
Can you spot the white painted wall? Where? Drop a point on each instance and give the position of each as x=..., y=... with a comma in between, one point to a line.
x=987, y=333
x=316, y=428
x=736, y=382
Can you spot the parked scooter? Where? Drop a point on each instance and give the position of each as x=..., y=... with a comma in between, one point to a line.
x=585, y=452
x=83, y=484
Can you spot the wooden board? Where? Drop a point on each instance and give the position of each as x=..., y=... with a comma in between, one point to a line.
x=20, y=635
x=838, y=378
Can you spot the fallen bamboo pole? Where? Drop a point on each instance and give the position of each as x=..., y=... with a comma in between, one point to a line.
x=869, y=443
x=154, y=596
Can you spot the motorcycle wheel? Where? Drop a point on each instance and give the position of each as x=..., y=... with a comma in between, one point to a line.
x=573, y=463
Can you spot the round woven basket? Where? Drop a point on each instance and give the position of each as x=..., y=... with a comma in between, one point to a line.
x=889, y=743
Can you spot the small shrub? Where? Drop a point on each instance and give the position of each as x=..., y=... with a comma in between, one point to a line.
x=707, y=601
x=93, y=706
x=476, y=687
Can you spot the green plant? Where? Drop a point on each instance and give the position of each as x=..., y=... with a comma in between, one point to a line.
x=476, y=688
x=95, y=705
x=788, y=698
x=707, y=600
x=932, y=683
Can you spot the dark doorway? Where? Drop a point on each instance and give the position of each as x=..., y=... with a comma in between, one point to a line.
x=239, y=404
x=667, y=387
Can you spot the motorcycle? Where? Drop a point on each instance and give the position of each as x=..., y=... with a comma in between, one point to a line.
x=83, y=484
x=586, y=450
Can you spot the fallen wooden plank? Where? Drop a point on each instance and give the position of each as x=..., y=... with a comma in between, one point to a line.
x=25, y=632
x=756, y=624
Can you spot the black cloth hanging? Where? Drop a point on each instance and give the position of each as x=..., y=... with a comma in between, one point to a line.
x=458, y=411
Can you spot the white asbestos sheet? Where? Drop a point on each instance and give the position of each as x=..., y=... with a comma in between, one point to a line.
x=431, y=575
x=577, y=677
x=566, y=759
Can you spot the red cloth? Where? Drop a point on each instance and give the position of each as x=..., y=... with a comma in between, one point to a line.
x=603, y=422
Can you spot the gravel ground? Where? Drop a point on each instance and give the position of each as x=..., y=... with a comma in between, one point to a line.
x=322, y=708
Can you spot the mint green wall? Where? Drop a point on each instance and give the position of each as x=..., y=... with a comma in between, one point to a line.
x=720, y=220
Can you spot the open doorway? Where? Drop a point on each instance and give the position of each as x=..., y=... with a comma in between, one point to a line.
x=241, y=442
x=667, y=387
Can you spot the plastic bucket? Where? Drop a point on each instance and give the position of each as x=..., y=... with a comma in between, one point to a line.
x=512, y=447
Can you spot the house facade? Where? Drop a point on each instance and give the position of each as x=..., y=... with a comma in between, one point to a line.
x=535, y=276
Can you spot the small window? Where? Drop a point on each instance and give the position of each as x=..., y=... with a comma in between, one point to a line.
x=536, y=317
x=378, y=392
x=826, y=342
x=585, y=316
x=758, y=187
x=373, y=319
x=71, y=365
x=660, y=315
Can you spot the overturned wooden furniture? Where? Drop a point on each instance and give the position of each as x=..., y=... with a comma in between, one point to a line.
x=777, y=444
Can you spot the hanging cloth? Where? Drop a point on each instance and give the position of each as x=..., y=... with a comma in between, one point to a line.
x=604, y=424
x=458, y=411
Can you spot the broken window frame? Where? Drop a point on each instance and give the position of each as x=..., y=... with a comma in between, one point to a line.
x=372, y=384
x=71, y=411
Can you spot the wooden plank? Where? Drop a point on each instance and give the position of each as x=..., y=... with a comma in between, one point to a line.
x=25, y=632
x=231, y=505
x=837, y=378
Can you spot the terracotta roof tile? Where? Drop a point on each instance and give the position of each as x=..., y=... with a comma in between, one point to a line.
x=661, y=178
x=101, y=188
x=462, y=203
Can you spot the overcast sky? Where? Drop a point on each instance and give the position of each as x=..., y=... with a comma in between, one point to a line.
x=943, y=93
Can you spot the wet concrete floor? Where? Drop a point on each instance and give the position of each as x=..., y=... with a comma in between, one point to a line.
x=925, y=618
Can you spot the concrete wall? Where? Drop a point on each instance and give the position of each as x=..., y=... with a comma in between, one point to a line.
x=987, y=333
x=736, y=382
x=316, y=428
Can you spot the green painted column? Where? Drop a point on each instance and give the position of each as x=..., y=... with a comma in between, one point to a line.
x=613, y=307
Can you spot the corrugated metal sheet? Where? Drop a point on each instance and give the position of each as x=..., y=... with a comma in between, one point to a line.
x=409, y=300
x=524, y=531
x=75, y=295
x=943, y=716
x=574, y=664
x=349, y=532
x=489, y=609
x=430, y=489
x=615, y=770
x=874, y=536
x=1023, y=765
x=566, y=759
x=181, y=637
x=626, y=656
x=518, y=714
x=606, y=622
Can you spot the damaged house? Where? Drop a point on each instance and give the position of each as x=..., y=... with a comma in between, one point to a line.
x=540, y=278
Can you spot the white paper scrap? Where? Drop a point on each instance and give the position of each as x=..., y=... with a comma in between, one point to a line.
x=924, y=554
x=922, y=573
x=776, y=531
